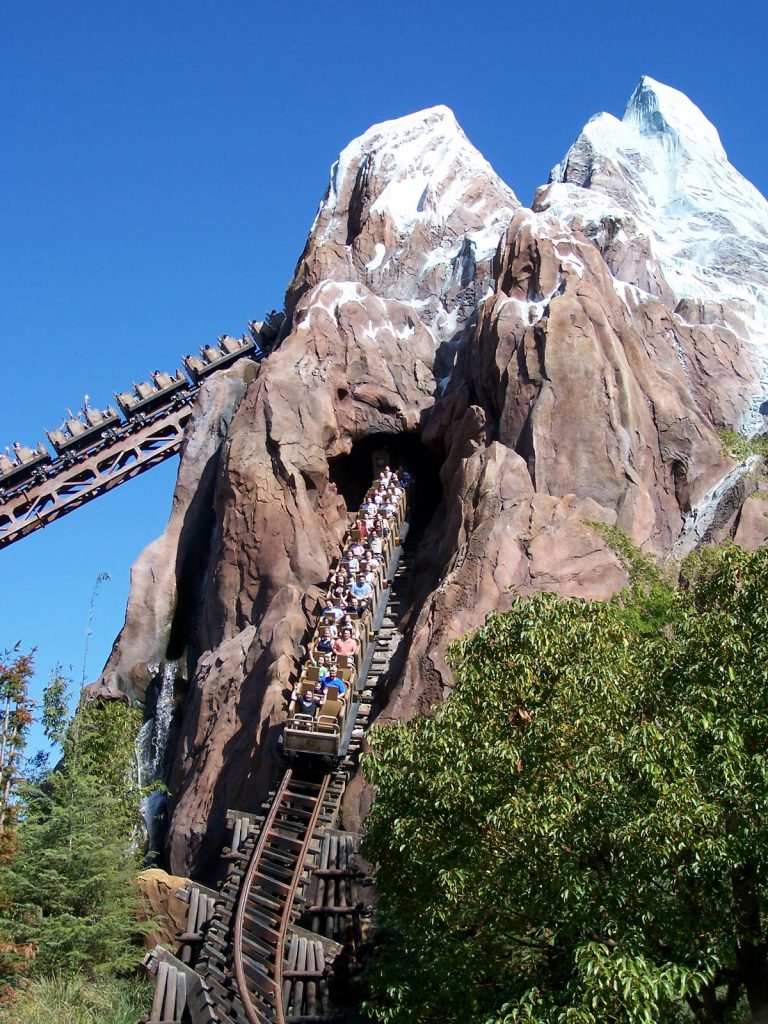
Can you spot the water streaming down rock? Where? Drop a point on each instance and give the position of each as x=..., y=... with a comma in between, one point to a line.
x=151, y=747
x=719, y=503
x=143, y=757
x=163, y=716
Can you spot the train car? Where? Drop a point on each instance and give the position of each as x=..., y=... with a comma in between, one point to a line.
x=321, y=731
x=147, y=396
x=162, y=394
x=212, y=358
x=18, y=466
x=78, y=432
x=266, y=333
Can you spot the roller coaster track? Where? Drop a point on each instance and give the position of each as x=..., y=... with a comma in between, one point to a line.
x=97, y=450
x=292, y=901
x=129, y=451
x=267, y=896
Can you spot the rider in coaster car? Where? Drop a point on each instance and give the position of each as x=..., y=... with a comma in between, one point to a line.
x=334, y=679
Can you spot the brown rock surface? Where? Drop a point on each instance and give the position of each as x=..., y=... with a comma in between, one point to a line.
x=158, y=890
x=353, y=365
x=177, y=558
x=584, y=411
x=752, y=527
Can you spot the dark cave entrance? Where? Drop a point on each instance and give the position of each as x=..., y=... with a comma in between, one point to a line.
x=352, y=474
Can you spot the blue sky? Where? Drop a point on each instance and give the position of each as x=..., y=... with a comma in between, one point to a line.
x=162, y=163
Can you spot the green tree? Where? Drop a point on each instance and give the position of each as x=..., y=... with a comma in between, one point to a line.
x=55, y=717
x=100, y=739
x=579, y=833
x=70, y=883
x=15, y=718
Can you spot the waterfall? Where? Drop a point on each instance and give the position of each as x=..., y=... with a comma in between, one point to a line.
x=151, y=746
x=162, y=719
x=143, y=755
x=703, y=514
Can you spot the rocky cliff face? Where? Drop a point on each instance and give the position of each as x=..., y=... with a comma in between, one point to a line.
x=546, y=368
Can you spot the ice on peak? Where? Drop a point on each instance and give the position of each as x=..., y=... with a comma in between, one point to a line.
x=415, y=212
x=657, y=109
x=403, y=127
x=663, y=165
x=400, y=140
x=661, y=173
x=419, y=166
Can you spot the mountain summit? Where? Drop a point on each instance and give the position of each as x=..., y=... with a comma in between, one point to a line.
x=414, y=212
x=670, y=214
x=658, y=110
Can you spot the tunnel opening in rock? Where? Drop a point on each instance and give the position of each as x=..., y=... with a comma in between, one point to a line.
x=353, y=473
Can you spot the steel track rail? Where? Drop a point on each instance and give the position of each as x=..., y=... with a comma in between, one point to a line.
x=145, y=437
x=96, y=471
x=261, y=985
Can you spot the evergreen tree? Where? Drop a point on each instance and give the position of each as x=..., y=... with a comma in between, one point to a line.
x=70, y=882
x=15, y=718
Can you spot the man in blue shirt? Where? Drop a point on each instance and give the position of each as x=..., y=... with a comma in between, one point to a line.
x=334, y=679
x=361, y=588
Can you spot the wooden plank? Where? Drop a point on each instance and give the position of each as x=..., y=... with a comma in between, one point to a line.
x=160, y=984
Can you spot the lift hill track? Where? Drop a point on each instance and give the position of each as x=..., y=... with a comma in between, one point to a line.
x=99, y=449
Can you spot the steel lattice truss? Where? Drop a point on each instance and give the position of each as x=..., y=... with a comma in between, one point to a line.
x=130, y=451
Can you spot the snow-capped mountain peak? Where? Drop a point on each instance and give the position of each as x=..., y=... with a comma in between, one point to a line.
x=417, y=168
x=670, y=214
x=658, y=110
x=414, y=212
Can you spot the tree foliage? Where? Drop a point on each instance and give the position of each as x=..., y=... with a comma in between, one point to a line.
x=738, y=446
x=70, y=883
x=16, y=670
x=100, y=740
x=55, y=717
x=647, y=603
x=15, y=718
x=579, y=832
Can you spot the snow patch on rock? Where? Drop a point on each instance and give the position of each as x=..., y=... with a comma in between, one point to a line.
x=378, y=257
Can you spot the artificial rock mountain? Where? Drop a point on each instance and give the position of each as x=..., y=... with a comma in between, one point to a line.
x=545, y=368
